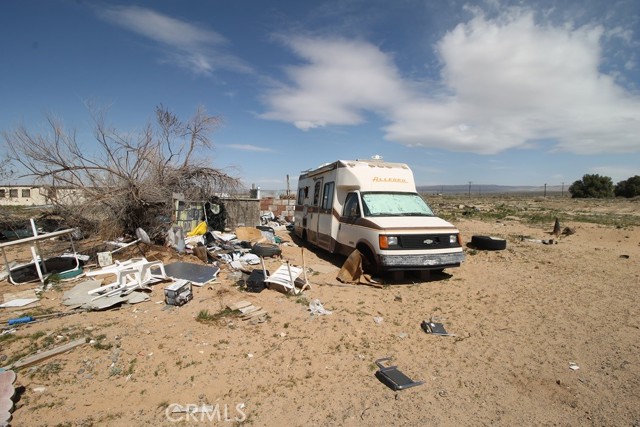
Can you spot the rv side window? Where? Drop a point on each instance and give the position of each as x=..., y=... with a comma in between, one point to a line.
x=327, y=196
x=316, y=193
x=351, y=206
x=300, y=196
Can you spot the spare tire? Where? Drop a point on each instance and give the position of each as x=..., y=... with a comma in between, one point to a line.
x=488, y=243
x=266, y=249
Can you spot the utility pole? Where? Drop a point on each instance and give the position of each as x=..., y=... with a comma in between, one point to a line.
x=469, y=189
x=288, y=190
x=562, y=194
x=545, y=189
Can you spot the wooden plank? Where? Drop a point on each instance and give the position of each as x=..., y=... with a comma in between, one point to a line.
x=39, y=357
x=238, y=305
x=249, y=309
x=254, y=314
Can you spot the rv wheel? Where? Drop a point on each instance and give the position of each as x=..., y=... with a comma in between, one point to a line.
x=369, y=263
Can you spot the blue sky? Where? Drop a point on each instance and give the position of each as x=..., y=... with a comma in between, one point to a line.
x=493, y=92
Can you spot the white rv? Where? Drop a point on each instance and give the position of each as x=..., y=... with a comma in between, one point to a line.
x=373, y=206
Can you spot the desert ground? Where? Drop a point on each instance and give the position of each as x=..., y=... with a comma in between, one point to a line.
x=520, y=317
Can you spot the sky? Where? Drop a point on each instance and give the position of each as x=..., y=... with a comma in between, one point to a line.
x=493, y=92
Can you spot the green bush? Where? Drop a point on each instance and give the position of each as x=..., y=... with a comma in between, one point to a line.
x=592, y=186
x=629, y=187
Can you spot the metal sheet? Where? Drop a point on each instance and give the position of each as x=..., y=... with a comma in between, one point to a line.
x=197, y=274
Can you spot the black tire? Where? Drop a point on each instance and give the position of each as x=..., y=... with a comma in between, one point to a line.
x=266, y=249
x=488, y=243
x=369, y=263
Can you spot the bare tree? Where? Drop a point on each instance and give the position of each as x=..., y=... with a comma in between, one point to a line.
x=126, y=179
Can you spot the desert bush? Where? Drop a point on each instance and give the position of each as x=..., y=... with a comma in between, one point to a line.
x=592, y=186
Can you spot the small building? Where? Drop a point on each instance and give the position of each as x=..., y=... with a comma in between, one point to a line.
x=23, y=195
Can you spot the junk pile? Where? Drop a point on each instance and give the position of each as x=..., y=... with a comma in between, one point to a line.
x=239, y=251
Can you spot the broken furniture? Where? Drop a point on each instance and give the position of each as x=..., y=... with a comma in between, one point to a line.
x=79, y=296
x=141, y=236
x=285, y=277
x=42, y=270
x=393, y=378
x=133, y=274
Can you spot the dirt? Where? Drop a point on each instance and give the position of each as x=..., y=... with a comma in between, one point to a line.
x=520, y=318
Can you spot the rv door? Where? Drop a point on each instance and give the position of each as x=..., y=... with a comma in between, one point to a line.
x=313, y=217
x=348, y=232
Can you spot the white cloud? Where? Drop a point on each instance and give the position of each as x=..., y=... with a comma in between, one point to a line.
x=505, y=82
x=190, y=46
x=340, y=81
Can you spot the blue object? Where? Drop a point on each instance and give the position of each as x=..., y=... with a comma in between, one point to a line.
x=17, y=321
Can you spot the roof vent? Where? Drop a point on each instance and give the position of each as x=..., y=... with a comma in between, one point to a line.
x=376, y=157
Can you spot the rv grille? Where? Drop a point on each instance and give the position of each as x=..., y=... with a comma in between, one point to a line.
x=425, y=241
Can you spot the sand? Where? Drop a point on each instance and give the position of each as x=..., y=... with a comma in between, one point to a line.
x=520, y=318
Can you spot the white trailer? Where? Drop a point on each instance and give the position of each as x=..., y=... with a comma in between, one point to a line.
x=373, y=206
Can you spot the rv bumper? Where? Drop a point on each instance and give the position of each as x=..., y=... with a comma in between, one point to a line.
x=421, y=262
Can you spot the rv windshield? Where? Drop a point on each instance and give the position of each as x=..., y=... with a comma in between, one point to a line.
x=394, y=204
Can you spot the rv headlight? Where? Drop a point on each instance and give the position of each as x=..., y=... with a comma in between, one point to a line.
x=453, y=239
x=387, y=241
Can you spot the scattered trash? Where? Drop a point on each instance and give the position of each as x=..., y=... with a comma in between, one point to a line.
x=141, y=236
x=199, y=230
x=104, y=259
x=136, y=273
x=255, y=314
x=316, y=308
x=393, y=378
x=544, y=242
x=488, y=243
x=352, y=272
x=32, y=319
x=624, y=256
x=285, y=279
x=251, y=259
x=573, y=366
x=556, y=228
x=39, y=269
x=19, y=299
x=7, y=390
x=197, y=274
x=255, y=282
x=403, y=335
x=434, y=328
x=79, y=296
x=39, y=357
x=178, y=293
x=378, y=320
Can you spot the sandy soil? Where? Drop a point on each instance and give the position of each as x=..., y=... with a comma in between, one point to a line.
x=519, y=316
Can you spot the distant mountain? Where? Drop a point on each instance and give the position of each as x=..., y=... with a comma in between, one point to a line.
x=487, y=189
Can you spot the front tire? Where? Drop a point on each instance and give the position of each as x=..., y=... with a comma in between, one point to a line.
x=369, y=261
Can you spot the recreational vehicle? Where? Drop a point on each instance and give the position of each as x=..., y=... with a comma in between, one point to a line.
x=373, y=206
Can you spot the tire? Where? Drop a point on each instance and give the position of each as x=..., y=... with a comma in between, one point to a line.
x=369, y=263
x=266, y=249
x=488, y=243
